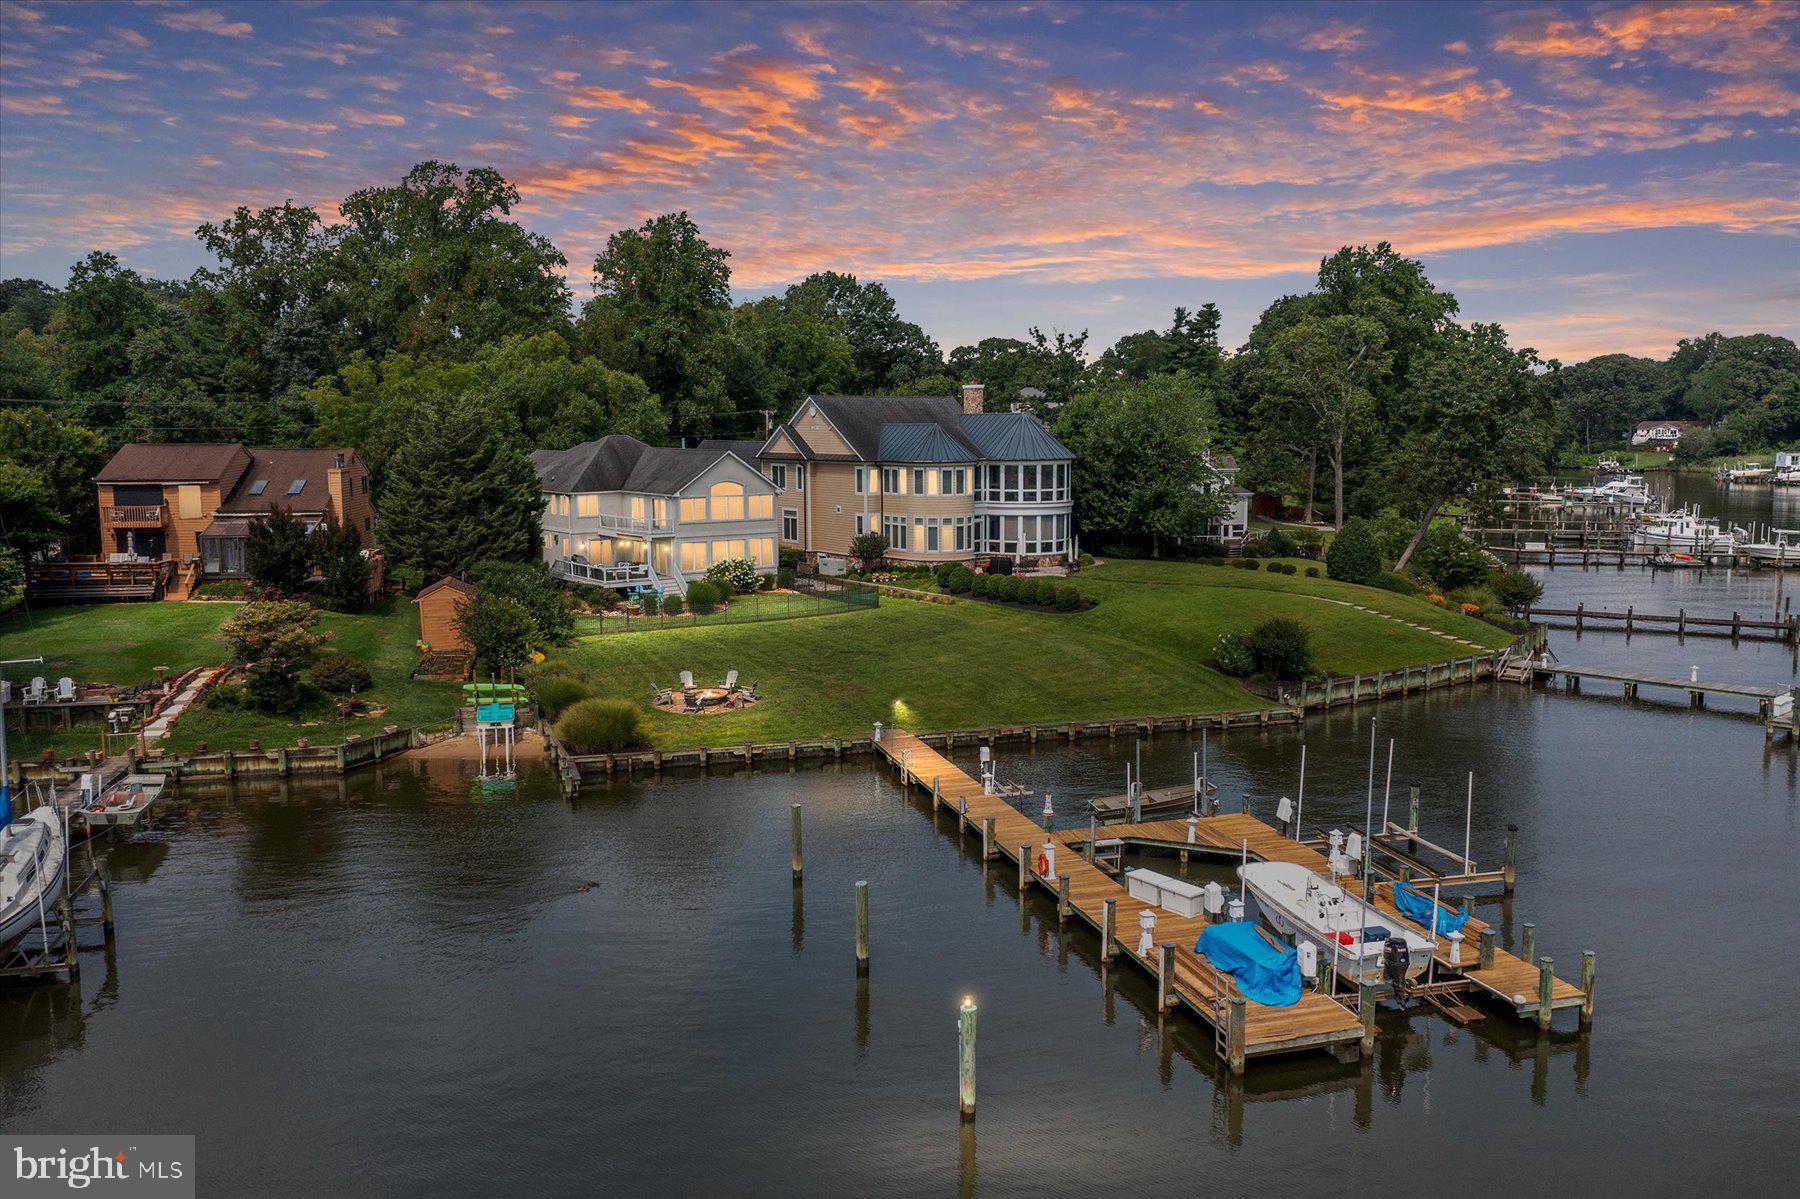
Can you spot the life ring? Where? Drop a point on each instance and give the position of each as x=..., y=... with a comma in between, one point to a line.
x=1043, y=863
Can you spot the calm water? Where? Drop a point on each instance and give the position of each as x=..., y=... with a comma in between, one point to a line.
x=393, y=988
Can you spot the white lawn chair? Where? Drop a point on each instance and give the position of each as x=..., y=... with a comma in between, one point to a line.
x=65, y=690
x=731, y=680
x=36, y=690
x=687, y=680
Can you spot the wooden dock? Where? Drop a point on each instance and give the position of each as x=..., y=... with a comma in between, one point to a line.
x=1084, y=889
x=1680, y=623
x=1547, y=673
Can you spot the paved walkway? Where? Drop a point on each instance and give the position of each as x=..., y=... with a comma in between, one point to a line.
x=157, y=729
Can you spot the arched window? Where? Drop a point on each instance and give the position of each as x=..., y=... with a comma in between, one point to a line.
x=727, y=501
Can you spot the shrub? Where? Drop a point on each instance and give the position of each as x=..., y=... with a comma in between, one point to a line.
x=869, y=549
x=1277, y=544
x=534, y=589
x=223, y=589
x=1068, y=598
x=1282, y=648
x=1256, y=546
x=1355, y=553
x=555, y=693
x=1393, y=580
x=702, y=597
x=340, y=674
x=765, y=582
x=784, y=577
x=1231, y=656
x=1281, y=568
x=671, y=605
x=1449, y=559
x=789, y=557
x=1515, y=590
x=497, y=627
x=1308, y=543
x=981, y=586
x=1312, y=572
x=276, y=552
x=959, y=580
x=1247, y=564
x=274, y=640
x=228, y=697
x=1011, y=587
x=339, y=553
x=732, y=575
x=599, y=726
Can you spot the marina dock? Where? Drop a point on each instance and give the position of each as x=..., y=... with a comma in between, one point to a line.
x=1785, y=628
x=1087, y=890
x=1697, y=689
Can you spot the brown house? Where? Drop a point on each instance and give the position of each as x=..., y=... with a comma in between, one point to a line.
x=193, y=505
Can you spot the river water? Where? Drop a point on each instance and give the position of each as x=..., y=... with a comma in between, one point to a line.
x=398, y=985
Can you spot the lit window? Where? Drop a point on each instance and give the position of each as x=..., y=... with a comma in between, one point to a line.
x=762, y=507
x=693, y=510
x=693, y=555
x=588, y=505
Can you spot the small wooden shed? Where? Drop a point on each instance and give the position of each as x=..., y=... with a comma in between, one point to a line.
x=437, y=614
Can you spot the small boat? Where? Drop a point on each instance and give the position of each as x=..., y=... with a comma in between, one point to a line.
x=1781, y=548
x=124, y=804
x=1154, y=804
x=1745, y=473
x=33, y=854
x=1675, y=560
x=1610, y=466
x=1686, y=531
x=1348, y=933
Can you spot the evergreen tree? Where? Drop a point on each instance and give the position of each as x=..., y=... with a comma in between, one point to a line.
x=338, y=551
x=277, y=554
x=458, y=492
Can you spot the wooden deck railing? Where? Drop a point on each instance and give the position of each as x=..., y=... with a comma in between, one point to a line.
x=138, y=515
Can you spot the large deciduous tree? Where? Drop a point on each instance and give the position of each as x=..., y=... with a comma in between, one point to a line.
x=885, y=351
x=1602, y=398
x=661, y=311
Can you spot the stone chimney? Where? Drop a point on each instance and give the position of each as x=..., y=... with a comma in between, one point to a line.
x=974, y=397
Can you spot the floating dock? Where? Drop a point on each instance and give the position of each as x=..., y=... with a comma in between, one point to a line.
x=1242, y=1029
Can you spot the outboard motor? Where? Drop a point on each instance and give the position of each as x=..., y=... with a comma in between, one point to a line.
x=1395, y=959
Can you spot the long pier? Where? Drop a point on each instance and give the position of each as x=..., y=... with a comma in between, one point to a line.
x=1680, y=623
x=1697, y=689
x=1062, y=862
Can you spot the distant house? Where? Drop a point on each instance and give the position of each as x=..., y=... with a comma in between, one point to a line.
x=1662, y=436
x=635, y=517
x=1230, y=528
x=943, y=481
x=186, y=510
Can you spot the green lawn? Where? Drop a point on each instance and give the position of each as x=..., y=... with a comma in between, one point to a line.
x=778, y=605
x=122, y=643
x=975, y=664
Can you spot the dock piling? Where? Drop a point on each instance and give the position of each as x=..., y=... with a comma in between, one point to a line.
x=106, y=912
x=1512, y=852
x=965, y=1056
x=797, y=861
x=1024, y=871
x=1485, y=955
x=1109, y=916
x=1528, y=942
x=1587, y=988
x=1365, y=1011
x=1546, y=988
x=1062, y=899
x=1412, y=810
x=1234, y=1036
x=987, y=839
x=1165, y=976
x=862, y=926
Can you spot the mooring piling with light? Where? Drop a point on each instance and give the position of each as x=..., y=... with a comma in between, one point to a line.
x=965, y=1057
x=797, y=859
x=862, y=926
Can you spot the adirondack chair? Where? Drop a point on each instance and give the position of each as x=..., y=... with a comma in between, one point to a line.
x=65, y=690
x=693, y=703
x=731, y=680
x=687, y=680
x=36, y=691
x=660, y=695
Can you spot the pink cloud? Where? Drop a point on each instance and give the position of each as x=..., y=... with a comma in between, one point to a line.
x=204, y=20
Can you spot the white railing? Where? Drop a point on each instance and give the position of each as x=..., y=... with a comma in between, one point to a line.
x=622, y=574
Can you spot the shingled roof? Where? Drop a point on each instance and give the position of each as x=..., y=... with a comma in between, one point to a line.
x=172, y=463
x=278, y=471
x=622, y=463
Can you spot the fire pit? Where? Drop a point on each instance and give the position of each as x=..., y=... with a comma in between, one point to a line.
x=705, y=701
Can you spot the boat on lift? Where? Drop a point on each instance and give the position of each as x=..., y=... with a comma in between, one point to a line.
x=34, y=851
x=1745, y=473
x=1776, y=547
x=1350, y=934
x=124, y=804
x=1685, y=531
x=1628, y=491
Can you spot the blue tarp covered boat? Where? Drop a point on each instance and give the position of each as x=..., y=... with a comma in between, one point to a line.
x=1416, y=907
x=1265, y=972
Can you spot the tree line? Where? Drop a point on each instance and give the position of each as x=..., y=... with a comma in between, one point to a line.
x=431, y=331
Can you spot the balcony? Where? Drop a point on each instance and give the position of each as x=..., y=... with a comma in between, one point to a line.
x=137, y=516
x=620, y=575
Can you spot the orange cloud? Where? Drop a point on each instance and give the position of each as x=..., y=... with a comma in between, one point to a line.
x=204, y=20
x=606, y=97
x=1339, y=35
x=1457, y=104
x=569, y=120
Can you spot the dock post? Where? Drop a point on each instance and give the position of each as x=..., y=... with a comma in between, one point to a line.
x=1512, y=853
x=1165, y=976
x=106, y=912
x=1485, y=955
x=1587, y=988
x=1412, y=811
x=1024, y=871
x=1093, y=832
x=1062, y=898
x=1109, y=915
x=1528, y=943
x=1546, y=987
x=1365, y=1012
x=1234, y=1035
x=987, y=838
x=862, y=926
x=1328, y=979
x=965, y=1057
x=797, y=863
x=934, y=794
x=69, y=947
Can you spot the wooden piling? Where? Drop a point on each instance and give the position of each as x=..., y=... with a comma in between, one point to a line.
x=1109, y=916
x=987, y=839
x=1234, y=1035
x=862, y=926
x=69, y=946
x=1512, y=852
x=797, y=862
x=965, y=1056
x=1587, y=988
x=1485, y=955
x=1024, y=871
x=1528, y=941
x=1165, y=976
x=1412, y=810
x=1546, y=988
x=106, y=912
x=1365, y=1011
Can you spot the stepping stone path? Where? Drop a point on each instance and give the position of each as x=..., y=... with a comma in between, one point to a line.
x=159, y=728
x=1401, y=620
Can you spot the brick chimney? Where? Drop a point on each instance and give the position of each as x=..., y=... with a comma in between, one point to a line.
x=974, y=397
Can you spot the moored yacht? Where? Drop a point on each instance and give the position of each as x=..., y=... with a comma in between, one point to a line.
x=1628, y=490
x=1686, y=531
x=1776, y=547
x=1347, y=932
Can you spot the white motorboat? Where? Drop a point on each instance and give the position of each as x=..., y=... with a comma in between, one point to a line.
x=1629, y=491
x=1745, y=472
x=1347, y=932
x=124, y=804
x=1610, y=466
x=1780, y=547
x=1685, y=531
x=33, y=855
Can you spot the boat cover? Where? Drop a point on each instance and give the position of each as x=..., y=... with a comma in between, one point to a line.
x=1268, y=974
x=1417, y=907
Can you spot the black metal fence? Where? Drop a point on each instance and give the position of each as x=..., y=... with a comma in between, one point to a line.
x=809, y=596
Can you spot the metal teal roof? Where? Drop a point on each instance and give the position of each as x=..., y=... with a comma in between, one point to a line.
x=1012, y=437
x=907, y=442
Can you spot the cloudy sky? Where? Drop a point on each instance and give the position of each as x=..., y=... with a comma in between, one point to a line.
x=1596, y=176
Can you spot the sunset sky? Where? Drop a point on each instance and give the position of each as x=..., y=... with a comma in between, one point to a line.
x=1597, y=177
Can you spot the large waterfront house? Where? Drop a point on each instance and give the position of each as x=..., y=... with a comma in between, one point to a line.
x=1230, y=527
x=622, y=514
x=173, y=516
x=942, y=480
x=1662, y=436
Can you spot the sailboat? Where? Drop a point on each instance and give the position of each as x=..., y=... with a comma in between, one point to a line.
x=33, y=855
x=1349, y=933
